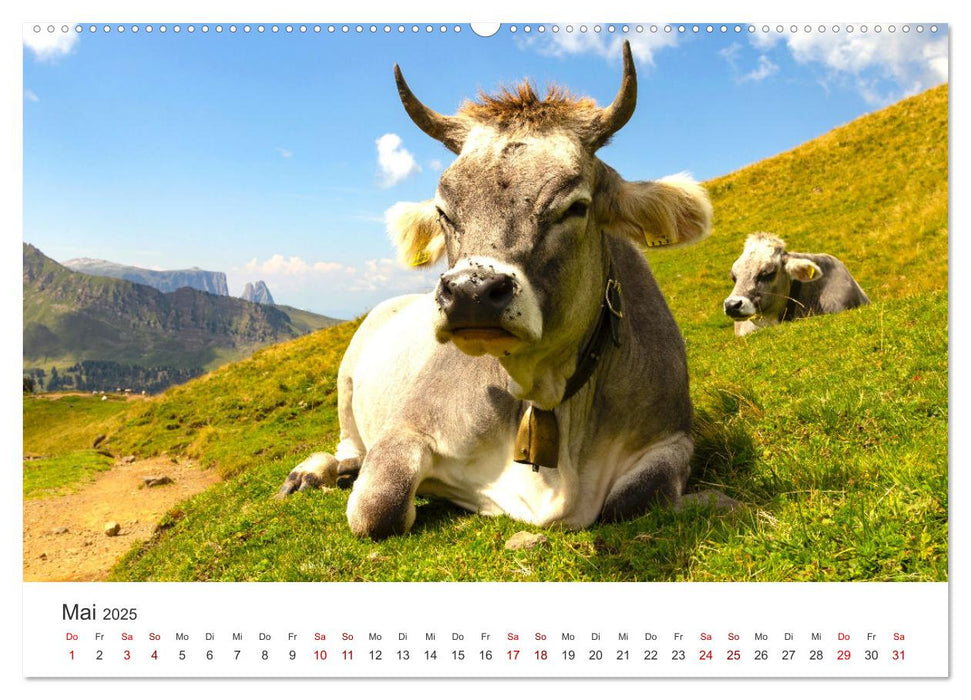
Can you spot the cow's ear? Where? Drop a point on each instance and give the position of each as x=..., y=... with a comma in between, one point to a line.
x=674, y=210
x=803, y=270
x=415, y=230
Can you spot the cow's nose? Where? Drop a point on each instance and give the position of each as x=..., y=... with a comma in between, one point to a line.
x=732, y=305
x=475, y=299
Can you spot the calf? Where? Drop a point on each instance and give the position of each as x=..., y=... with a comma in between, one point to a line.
x=773, y=285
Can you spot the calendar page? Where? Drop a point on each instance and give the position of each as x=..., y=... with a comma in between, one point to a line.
x=429, y=349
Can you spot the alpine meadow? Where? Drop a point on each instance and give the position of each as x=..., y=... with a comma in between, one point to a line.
x=830, y=433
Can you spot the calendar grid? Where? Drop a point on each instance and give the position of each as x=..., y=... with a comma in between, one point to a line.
x=494, y=630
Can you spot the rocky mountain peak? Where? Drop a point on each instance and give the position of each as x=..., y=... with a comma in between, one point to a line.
x=258, y=293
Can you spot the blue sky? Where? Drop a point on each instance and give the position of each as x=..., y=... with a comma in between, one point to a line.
x=275, y=155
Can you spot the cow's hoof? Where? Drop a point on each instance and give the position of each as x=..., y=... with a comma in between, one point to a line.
x=347, y=471
x=317, y=471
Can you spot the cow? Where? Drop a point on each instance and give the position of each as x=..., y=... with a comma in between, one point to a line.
x=544, y=378
x=773, y=285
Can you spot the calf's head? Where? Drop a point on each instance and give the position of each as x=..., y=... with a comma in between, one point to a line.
x=763, y=277
x=522, y=214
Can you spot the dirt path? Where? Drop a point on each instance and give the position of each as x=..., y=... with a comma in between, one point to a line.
x=83, y=552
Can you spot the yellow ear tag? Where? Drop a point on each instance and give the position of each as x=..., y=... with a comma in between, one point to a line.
x=421, y=257
x=812, y=271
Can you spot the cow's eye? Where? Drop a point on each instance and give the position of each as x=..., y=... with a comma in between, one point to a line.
x=578, y=209
x=443, y=217
x=766, y=275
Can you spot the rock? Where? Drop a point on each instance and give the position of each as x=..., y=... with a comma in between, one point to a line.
x=526, y=540
x=130, y=459
x=43, y=555
x=98, y=440
x=709, y=498
x=163, y=280
x=112, y=528
x=258, y=293
x=59, y=530
x=151, y=481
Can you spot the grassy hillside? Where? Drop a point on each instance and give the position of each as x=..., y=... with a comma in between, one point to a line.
x=59, y=434
x=873, y=193
x=280, y=403
x=307, y=321
x=54, y=426
x=831, y=431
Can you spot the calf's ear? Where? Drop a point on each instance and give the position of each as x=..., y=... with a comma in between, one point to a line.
x=803, y=270
x=674, y=210
x=416, y=232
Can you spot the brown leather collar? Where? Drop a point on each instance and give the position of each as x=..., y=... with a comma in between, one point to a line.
x=608, y=327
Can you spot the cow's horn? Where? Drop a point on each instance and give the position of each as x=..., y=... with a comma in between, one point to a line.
x=448, y=130
x=617, y=114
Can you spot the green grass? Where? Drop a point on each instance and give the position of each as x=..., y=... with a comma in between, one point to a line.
x=281, y=402
x=843, y=476
x=55, y=476
x=837, y=428
x=831, y=431
x=59, y=435
x=69, y=423
x=873, y=193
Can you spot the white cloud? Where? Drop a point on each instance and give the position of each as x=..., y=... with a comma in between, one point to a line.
x=284, y=153
x=277, y=265
x=764, y=40
x=377, y=274
x=394, y=162
x=763, y=70
x=883, y=67
x=730, y=52
x=31, y=96
x=335, y=288
x=643, y=46
x=48, y=46
x=388, y=276
x=373, y=275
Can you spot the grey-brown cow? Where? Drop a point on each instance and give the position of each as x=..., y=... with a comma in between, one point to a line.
x=547, y=341
x=773, y=285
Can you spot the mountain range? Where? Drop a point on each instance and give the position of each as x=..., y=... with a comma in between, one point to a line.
x=171, y=280
x=162, y=280
x=72, y=317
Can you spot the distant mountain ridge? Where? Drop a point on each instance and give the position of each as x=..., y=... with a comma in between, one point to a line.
x=163, y=280
x=71, y=317
x=257, y=292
